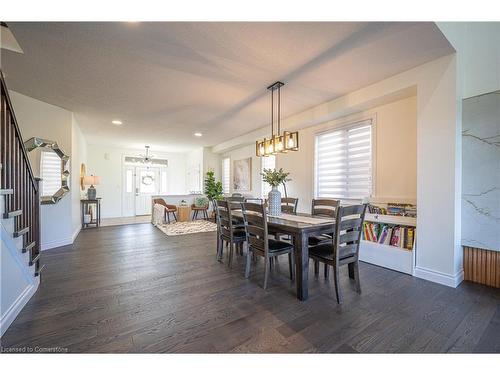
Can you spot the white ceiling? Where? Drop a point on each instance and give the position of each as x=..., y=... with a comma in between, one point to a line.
x=166, y=81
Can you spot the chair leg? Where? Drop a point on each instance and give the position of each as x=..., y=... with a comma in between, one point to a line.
x=316, y=268
x=350, y=267
x=356, y=276
x=266, y=274
x=247, y=265
x=175, y=217
x=231, y=249
x=291, y=264
x=327, y=269
x=168, y=217
x=220, y=249
x=271, y=263
x=337, y=283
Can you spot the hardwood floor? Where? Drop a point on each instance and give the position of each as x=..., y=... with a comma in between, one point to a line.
x=132, y=289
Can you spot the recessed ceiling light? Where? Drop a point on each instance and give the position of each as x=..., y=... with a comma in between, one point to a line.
x=117, y=122
x=198, y=134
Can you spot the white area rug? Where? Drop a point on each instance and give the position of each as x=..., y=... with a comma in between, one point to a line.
x=187, y=227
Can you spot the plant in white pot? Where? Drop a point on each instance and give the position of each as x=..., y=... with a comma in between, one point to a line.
x=275, y=178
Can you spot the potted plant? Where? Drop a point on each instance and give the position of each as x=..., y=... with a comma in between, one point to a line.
x=213, y=189
x=275, y=178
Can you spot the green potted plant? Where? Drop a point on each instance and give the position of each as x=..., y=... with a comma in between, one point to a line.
x=213, y=189
x=275, y=178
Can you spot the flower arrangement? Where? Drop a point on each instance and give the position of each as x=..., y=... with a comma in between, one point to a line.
x=275, y=177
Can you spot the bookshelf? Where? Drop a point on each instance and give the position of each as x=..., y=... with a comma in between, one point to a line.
x=394, y=253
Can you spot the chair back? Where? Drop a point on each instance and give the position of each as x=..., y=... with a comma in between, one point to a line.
x=254, y=200
x=289, y=205
x=348, y=229
x=324, y=207
x=224, y=220
x=236, y=195
x=159, y=201
x=255, y=219
x=240, y=199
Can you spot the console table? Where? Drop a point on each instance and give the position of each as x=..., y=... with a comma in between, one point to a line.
x=95, y=220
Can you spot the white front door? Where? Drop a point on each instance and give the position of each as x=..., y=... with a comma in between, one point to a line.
x=147, y=184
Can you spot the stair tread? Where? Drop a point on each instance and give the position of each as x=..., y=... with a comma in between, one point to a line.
x=37, y=272
x=11, y=214
x=6, y=191
x=28, y=247
x=33, y=261
x=20, y=232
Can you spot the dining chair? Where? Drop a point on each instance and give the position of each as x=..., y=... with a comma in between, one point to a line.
x=169, y=208
x=343, y=248
x=323, y=208
x=289, y=205
x=260, y=244
x=239, y=199
x=227, y=231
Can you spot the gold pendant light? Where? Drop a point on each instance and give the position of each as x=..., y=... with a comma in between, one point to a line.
x=278, y=143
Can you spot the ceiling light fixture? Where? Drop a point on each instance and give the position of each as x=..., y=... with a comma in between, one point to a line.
x=278, y=143
x=116, y=122
x=146, y=158
x=198, y=134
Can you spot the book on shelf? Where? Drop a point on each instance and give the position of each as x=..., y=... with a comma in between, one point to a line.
x=386, y=234
x=394, y=209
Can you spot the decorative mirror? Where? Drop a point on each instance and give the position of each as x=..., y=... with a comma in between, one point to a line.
x=51, y=164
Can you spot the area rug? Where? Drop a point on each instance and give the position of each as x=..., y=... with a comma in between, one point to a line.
x=187, y=227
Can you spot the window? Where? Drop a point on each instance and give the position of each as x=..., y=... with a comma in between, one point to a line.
x=344, y=162
x=129, y=175
x=226, y=170
x=268, y=162
x=50, y=173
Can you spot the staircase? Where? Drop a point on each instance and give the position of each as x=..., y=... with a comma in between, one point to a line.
x=19, y=210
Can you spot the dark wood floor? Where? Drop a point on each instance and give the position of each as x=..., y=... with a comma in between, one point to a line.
x=132, y=289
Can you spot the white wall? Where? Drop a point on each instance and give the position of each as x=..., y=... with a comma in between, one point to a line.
x=243, y=153
x=395, y=153
x=439, y=254
x=39, y=119
x=478, y=52
x=79, y=156
x=194, y=170
x=106, y=162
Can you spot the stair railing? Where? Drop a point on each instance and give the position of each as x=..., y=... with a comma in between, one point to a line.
x=17, y=175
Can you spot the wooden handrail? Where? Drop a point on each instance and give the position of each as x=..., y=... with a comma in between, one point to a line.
x=17, y=175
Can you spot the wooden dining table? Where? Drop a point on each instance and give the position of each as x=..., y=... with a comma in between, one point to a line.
x=300, y=233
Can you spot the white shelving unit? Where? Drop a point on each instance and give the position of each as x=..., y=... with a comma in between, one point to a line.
x=393, y=257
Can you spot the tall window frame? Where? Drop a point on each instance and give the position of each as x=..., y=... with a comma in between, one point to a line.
x=341, y=170
x=226, y=175
x=267, y=162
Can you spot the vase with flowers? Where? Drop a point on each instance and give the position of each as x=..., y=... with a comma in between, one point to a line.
x=275, y=178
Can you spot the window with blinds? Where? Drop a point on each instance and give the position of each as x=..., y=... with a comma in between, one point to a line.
x=344, y=162
x=268, y=162
x=50, y=172
x=226, y=171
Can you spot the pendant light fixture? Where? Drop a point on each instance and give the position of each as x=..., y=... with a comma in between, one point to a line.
x=278, y=143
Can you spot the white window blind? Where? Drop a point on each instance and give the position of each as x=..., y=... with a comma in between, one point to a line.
x=50, y=167
x=344, y=162
x=268, y=162
x=226, y=170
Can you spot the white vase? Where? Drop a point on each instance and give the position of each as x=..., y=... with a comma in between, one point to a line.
x=274, y=202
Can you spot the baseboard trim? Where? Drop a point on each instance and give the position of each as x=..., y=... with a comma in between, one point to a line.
x=439, y=277
x=57, y=243
x=76, y=233
x=17, y=306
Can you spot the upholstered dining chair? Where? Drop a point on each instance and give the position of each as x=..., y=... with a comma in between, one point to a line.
x=227, y=231
x=260, y=244
x=169, y=208
x=343, y=247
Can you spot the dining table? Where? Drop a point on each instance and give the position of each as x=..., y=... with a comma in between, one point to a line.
x=299, y=227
